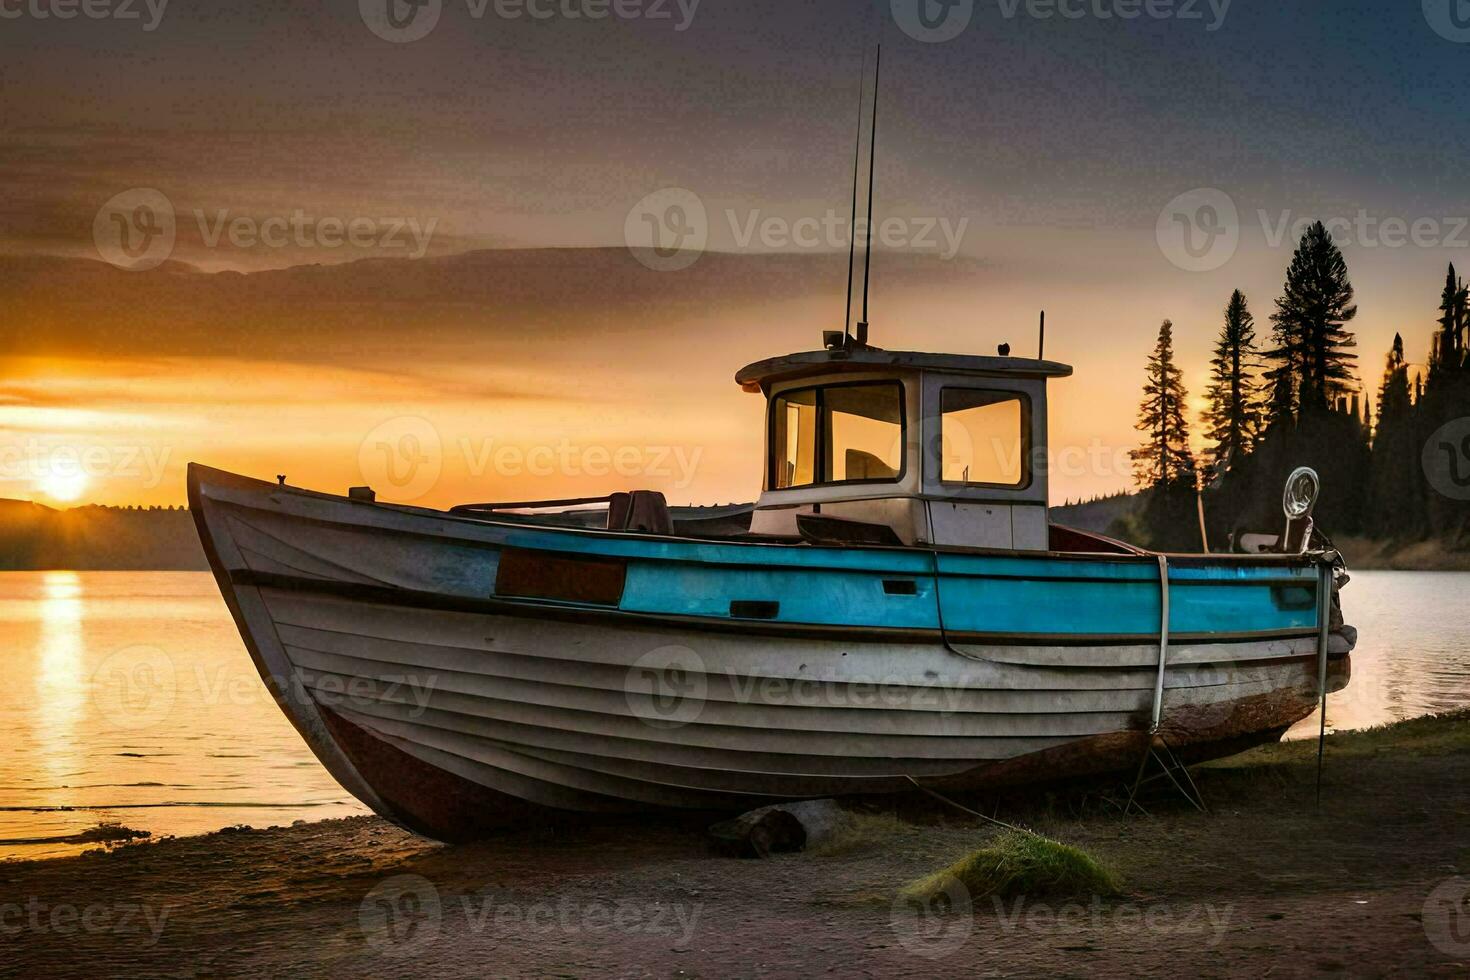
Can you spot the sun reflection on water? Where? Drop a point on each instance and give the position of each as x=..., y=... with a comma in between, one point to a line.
x=60, y=676
x=133, y=701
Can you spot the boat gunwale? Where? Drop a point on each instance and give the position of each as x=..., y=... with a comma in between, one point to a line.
x=200, y=474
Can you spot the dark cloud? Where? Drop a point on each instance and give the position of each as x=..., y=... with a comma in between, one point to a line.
x=520, y=306
x=514, y=131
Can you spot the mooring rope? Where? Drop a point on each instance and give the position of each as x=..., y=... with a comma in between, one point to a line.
x=974, y=813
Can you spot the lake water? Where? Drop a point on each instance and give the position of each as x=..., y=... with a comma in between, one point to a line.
x=1413, y=654
x=129, y=698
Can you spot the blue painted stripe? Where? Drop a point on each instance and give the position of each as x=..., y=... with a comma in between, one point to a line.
x=816, y=598
x=997, y=594
x=1113, y=607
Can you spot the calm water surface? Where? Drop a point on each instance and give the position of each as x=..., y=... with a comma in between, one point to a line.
x=129, y=698
x=1413, y=655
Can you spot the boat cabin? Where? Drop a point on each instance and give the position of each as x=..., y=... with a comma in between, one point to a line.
x=895, y=447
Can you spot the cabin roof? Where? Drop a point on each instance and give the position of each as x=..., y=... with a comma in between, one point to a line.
x=762, y=374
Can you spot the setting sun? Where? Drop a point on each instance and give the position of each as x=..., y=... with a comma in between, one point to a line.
x=65, y=487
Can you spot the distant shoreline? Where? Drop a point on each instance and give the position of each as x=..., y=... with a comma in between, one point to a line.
x=1361, y=552
x=36, y=538
x=1370, y=555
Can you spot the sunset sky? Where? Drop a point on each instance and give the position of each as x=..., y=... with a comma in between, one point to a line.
x=1058, y=153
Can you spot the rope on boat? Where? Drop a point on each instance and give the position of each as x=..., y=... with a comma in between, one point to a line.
x=1167, y=761
x=974, y=813
x=1158, y=716
x=1325, y=573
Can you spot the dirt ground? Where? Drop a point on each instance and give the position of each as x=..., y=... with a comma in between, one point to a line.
x=1265, y=886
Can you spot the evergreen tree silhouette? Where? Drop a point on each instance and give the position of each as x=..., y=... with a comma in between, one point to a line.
x=1235, y=413
x=1165, y=457
x=1309, y=421
x=1454, y=318
x=1312, y=352
x=1164, y=465
x=1395, y=506
x=1446, y=398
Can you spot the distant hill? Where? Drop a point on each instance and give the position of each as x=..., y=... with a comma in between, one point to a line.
x=97, y=539
x=1096, y=515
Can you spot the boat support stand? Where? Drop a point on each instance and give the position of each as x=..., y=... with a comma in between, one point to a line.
x=1156, y=747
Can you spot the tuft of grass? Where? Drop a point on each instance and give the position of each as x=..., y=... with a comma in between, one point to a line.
x=1018, y=864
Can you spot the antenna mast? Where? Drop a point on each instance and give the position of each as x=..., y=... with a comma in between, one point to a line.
x=862, y=327
x=857, y=156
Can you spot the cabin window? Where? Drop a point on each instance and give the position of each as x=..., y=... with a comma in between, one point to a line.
x=985, y=438
x=796, y=442
x=849, y=433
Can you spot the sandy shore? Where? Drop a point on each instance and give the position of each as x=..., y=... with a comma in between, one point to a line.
x=1267, y=885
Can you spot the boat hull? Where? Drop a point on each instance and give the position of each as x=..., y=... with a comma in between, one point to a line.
x=460, y=676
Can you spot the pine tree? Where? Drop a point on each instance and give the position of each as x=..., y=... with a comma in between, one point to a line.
x=1396, y=496
x=1280, y=376
x=1454, y=309
x=1234, y=415
x=1393, y=393
x=1445, y=398
x=1310, y=368
x=1164, y=460
x=1312, y=343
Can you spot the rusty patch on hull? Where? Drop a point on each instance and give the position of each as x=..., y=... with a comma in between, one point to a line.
x=426, y=799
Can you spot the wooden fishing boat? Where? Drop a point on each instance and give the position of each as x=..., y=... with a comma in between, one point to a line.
x=896, y=608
